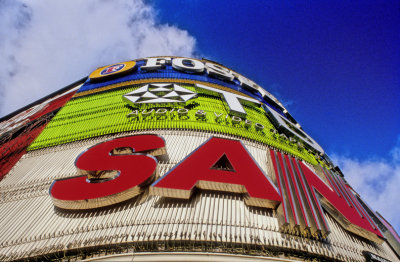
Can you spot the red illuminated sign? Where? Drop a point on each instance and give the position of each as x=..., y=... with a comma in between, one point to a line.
x=223, y=165
x=116, y=170
x=305, y=194
x=97, y=186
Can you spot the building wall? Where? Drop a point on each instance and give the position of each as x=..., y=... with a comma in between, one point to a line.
x=214, y=219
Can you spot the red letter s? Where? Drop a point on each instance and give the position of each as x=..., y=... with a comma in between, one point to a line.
x=99, y=185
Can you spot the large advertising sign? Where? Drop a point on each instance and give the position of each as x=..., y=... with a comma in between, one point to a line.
x=106, y=178
x=167, y=128
x=18, y=132
x=150, y=103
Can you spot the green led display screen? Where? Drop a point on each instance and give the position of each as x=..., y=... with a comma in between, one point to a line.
x=194, y=109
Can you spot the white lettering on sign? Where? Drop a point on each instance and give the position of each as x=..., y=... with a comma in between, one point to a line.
x=288, y=127
x=155, y=63
x=199, y=114
x=232, y=100
x=219, y=71
x=186, y=64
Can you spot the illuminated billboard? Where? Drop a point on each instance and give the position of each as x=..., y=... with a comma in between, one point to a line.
x=172, y=154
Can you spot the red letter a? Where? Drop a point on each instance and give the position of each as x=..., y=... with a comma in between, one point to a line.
x=223, y=165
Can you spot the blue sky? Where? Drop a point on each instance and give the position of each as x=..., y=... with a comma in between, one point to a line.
x=334, y=64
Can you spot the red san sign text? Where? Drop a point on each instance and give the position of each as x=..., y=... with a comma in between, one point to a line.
x=119, y=169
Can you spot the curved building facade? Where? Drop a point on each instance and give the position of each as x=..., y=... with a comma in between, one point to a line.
x=175, y=159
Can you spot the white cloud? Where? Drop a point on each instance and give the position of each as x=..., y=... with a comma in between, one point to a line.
x=377, y=181
x=46, y=45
